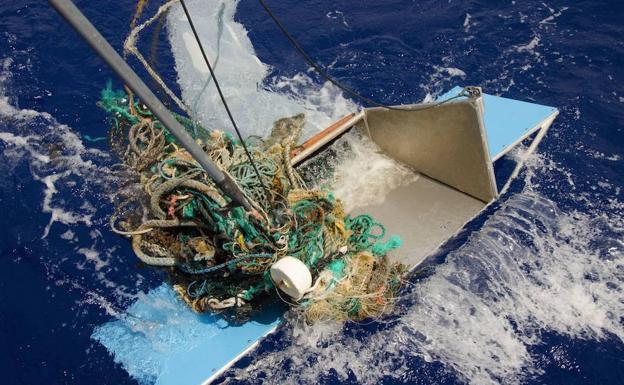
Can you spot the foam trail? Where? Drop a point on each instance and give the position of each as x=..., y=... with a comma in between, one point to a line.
x=55, y=152
x=77, y=187
x=256, y=100
x=365, y=176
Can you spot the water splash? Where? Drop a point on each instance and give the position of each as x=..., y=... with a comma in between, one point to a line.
x=256, y=97
x=533, y=267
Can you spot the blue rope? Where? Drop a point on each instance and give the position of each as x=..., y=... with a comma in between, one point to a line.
x=211, y=269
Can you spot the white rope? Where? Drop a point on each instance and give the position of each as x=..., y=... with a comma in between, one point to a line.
x=130, y=47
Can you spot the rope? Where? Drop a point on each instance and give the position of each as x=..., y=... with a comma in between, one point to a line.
x=173, y=183
x=137, y=13
x=333, y=80
x=212, y=269
x=130, y=47
x=137, y=239
x=218, y=256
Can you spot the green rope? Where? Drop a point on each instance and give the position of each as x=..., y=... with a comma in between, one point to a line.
x=311, y=229
x=363, y=227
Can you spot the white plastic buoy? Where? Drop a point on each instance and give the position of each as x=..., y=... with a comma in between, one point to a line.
x=292, y=277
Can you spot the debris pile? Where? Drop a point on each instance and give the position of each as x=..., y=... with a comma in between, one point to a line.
x=220, y=256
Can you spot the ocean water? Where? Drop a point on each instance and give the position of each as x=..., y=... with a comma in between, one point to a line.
x=530, y=293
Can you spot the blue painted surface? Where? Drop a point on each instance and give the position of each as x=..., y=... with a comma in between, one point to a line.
x=506, y=120
x=160, y=339
x=212, y=352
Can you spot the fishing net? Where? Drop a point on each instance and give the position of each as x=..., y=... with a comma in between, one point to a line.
x=218, y=255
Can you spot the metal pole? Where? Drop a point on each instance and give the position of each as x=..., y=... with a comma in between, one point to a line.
x=90, y=34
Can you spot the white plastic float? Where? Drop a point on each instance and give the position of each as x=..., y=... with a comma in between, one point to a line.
x=292, y=277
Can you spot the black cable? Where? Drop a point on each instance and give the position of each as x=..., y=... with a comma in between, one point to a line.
x=227, y=108
x=331, y=79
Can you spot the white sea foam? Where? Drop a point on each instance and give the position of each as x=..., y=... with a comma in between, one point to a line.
x=530, y=46
x=364, y=175
x=68, y=235
x=35, y=146
x=338, y=15
x=256, y=99
x=467, y=22
x=439, y=77
x=92, y=255
x=451, y=71
x=553, y=14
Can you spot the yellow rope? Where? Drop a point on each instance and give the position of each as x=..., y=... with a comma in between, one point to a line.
x=137, y=13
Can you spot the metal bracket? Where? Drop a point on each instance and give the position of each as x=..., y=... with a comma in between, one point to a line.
x=471, y=92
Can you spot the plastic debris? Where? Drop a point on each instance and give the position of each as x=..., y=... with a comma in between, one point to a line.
x=218, y=255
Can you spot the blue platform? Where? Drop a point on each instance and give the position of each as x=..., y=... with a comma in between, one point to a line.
x=160, y=340
x=507, y=121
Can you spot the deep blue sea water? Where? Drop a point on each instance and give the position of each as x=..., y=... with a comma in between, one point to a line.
x=532, y=293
